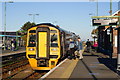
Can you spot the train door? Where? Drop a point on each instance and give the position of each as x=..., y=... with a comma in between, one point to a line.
x=43, y=43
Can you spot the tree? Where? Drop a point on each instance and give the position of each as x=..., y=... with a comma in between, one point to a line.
x=26, y=26
x=23, y=30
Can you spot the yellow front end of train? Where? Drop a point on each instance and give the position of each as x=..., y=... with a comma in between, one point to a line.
x=43, y=47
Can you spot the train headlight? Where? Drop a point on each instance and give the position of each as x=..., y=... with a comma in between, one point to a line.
x=31, y=49
x=54, y=49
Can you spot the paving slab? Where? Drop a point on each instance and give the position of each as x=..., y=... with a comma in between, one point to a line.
x=89, y=68
x=63, y=71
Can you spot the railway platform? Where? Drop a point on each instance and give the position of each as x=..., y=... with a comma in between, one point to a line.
x=10, y=52
x=91, y=67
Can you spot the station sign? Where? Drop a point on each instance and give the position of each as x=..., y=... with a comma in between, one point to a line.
x=105, y=20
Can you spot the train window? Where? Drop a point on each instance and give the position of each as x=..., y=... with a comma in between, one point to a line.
x=32, y=41
x=32, y=31
x=54, y=40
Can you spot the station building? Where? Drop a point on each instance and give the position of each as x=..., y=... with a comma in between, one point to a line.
x=108, y=39
x=5, y=38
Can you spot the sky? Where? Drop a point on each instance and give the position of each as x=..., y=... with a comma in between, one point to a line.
x=71, y=16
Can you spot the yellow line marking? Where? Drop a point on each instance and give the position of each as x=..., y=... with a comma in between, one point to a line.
x=69, y=69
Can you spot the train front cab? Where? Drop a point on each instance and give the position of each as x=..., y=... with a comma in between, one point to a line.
x=43, y=47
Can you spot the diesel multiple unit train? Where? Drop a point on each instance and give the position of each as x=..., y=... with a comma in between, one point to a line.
x=46, y=45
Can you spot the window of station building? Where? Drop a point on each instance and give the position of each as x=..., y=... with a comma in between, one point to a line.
x=32, y=40
x=54, y=40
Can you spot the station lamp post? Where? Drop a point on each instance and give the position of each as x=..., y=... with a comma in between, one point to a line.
x=110, y=7
x=5, y=21
x=96, y=6
x=33, y=16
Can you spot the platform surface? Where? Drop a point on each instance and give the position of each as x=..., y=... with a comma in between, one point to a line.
x=90, y=68
x=10, y=52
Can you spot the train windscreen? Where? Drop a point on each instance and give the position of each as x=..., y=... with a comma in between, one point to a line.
x=32, y=40
x=54, y=38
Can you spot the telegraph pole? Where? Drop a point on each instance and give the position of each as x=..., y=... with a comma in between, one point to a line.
x=96, y=5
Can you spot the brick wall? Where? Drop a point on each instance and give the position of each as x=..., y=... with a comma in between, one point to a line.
x=115, y=34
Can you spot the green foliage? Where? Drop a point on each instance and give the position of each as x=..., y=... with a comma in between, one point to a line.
x=26, y=26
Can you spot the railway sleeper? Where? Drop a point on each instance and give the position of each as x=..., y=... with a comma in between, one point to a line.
x=14, y=67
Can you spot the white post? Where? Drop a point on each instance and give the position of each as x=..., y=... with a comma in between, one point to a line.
x=118, y=62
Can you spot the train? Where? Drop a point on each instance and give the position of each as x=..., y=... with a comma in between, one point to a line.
x=47, y=44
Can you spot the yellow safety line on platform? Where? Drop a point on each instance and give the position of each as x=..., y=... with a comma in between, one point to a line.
x=69, y=69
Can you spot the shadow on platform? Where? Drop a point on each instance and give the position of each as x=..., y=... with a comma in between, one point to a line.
x=110, y=63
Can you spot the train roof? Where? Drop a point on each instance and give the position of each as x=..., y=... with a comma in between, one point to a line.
x=57, y=27
x=49, y=24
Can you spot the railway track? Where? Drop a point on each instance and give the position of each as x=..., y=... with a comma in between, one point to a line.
x=11, y=67
x=9, y=63
x=17, y=67
x=35, y=75
x=25, y=73
x=11, y=59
